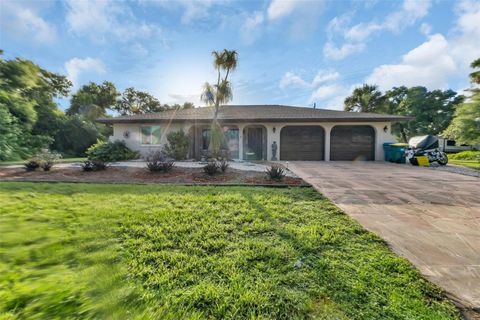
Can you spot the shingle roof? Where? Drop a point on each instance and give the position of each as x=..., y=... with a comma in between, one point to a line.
x=255, y=113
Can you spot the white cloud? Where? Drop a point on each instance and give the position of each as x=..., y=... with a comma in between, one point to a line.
x=326, y=91
x=76, y=66
x=22, y=21
x=101, y=20
x=338, y=53
x=290, y=79
x=429, y=64
x=438, y=59
x=249, y=31
x=354, y=37
x=426, y=29
x=281, y=8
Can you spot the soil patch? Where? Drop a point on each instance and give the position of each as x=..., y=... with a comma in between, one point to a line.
x=142, y=175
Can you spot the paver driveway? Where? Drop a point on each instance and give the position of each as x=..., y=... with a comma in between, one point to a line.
x=430, y=217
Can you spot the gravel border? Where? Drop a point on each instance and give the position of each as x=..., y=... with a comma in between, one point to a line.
x=456, y=169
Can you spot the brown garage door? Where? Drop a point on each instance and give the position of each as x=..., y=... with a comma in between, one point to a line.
x=352, y=142
x=302, y=143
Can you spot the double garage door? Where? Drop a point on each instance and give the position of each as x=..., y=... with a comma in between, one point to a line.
x=346, y=143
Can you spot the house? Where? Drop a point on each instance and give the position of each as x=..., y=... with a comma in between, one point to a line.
x=251, y=130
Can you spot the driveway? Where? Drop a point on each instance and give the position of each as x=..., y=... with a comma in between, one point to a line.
x=429, y=216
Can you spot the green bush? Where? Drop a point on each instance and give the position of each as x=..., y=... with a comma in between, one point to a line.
x=276, y=173
x=177, y=145
x=110, y=151
x=466, y=155
x=47, y=159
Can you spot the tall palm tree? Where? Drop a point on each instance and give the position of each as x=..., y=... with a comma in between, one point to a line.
x=220, y=93
x=365, y=99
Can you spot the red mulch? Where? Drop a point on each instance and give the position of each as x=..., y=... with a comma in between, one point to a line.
x=142, y=175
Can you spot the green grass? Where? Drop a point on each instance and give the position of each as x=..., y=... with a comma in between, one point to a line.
x=86, y=251
x=475, y=164
x=469, y=159
x=64, y=160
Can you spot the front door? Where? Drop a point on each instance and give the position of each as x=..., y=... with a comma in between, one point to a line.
x=254, y=144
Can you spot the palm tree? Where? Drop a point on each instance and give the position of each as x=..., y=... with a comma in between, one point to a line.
x=475, y=76
x=220, y=93
x=365, y=99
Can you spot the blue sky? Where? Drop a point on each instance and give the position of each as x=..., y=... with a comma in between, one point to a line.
x=290, y=52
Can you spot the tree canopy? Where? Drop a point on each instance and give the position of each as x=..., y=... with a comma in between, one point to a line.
x=365, y=99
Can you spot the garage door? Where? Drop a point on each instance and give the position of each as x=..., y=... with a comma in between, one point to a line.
x=352, y=142
x=302, y=143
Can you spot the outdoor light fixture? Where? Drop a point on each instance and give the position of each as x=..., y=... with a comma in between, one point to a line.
x=126, y=134
x=274, y=129
x=385, y=129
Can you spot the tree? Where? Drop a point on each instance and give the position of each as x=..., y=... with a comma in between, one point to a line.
x=28, y=109
x=137, y=102
x=432, y=111
x=93, y=100
x=475, y=75
x=465, y=126
x=220, y=93
x=365, y=99
x=75, y=135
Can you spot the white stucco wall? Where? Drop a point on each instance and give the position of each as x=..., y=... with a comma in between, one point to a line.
x=134, y=141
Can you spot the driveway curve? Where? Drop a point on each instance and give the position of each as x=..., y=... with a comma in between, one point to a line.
x=430, y=217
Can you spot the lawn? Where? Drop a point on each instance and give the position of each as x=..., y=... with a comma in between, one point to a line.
x=475, y=164
x=85, y=251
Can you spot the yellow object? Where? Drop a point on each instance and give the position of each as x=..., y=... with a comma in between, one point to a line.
x=399, y=144
x=423, y=161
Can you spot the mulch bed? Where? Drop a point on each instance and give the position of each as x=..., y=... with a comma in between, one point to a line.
x=140, y=175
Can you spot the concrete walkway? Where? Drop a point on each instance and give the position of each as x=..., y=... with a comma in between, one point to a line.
x=430, y=217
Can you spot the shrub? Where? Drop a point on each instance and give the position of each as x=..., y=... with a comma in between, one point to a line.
x=211, y=168
x=46, y=166
x=167, y=165
x=32, y=165
x=177, y=145
x=154, y=161
x=93, y=165
x=276, y=173
x=110, y=151
x=47, y=159
x=224, y=165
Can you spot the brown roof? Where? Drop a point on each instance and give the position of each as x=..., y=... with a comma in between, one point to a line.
x=255, y=113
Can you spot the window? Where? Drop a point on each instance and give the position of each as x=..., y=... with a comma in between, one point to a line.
x=231, y=142
x=150, y=134
x=205, y=139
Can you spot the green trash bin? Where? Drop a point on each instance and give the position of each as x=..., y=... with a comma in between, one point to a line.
x=397, y=152
x=387, y=151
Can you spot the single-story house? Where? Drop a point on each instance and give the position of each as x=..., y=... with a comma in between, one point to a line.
x=264, y=132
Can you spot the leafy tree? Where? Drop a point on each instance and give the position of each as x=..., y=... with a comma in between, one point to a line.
x=188, y=105
x=178, y=145
x=431, y=111
x=220, y=93
x=475, y=75
x=26, y=99
x=75, y=135
x=92, y=100
x=137, y=102
x=465, y=126
x=365, y=99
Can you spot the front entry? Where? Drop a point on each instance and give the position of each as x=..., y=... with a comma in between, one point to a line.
x=254, y=143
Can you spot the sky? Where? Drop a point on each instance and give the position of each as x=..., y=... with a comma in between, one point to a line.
x=290, y=52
